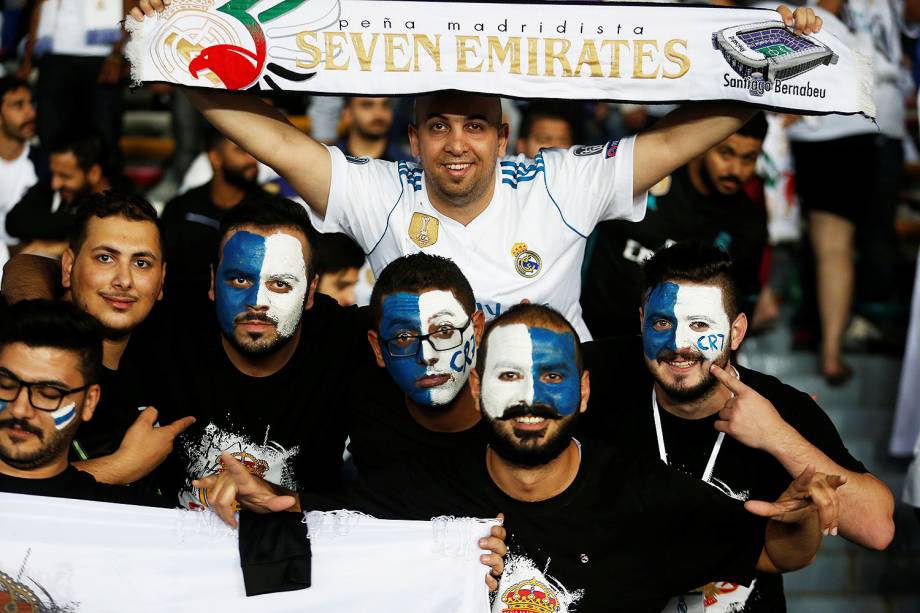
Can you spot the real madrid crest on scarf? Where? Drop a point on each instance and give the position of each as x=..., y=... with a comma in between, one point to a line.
x=526, y=262
x=423, y=230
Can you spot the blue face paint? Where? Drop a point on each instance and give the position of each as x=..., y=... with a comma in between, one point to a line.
x=660, y=305
x=400, y=314
x=241, y=259
x=3, y=406
x=554, y=352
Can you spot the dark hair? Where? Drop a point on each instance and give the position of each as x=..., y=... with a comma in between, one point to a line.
x=88, y=148
x=533, y=316
x=453, y=93
x=266, y=211
x=756, y=127
x=11, y=83
x=212, y=138
x=58, y=324
x=335, y=252
x=107, y=204
x=545, y=109
x=417, y=272
x=695, y=262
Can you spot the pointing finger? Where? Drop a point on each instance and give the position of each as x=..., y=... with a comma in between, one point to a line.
x=180, y=425
x=732, y=383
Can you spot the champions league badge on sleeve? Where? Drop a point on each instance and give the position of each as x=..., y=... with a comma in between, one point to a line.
x=765, y=54
x=526, y=262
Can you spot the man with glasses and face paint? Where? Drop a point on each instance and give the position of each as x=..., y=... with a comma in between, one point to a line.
x=426, y=338
x=264, y=378
x=689, y=404
x=50, y=364
x=588, y=530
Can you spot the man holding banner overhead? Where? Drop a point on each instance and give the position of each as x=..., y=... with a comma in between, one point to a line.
x=516, y=227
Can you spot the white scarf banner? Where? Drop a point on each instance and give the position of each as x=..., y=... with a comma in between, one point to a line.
x=608, y=51
x=72, y=556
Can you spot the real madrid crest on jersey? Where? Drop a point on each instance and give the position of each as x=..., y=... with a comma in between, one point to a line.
x=526, y=262
x=423, y=230
x=530, y=596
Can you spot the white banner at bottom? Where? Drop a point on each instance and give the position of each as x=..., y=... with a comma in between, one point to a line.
x=74, y=556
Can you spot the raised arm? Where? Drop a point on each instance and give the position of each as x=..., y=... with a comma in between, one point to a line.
x=693, y=129
x=866, y=504
x=263, y=131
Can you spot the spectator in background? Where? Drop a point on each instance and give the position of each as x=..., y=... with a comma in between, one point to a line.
x=703, y=202
x=191, y=220
x=44, y=215
x=77, y=46
x=338, y=260
x=368, y=122
x=20, y=163
x=546, y=125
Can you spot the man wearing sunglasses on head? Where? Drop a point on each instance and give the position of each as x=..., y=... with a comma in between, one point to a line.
x=50, y=364
x=426, y=333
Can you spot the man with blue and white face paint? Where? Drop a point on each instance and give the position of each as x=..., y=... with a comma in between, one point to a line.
x=688, y=404
x=426, y=336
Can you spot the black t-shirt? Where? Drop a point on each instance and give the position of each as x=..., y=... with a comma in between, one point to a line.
x=612, y=284
x=623, y=414
x=191, y=233
x=617, y=539
x=383, y=433
x=73, y=483
x=288, y=427
x=125, y=392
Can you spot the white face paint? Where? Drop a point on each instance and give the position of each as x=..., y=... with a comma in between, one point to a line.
x=64, y=415
x=437, y=308
x=283, y=263
x=702, y=322
x=511, y=352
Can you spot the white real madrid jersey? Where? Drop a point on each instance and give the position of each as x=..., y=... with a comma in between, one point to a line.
x=527, y=244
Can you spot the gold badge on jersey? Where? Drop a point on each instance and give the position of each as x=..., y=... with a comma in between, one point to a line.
x=661, y=188
x=423, y=230
x=526, y=262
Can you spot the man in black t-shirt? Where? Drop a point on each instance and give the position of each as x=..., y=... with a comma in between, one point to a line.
x=265, y=378
x=113, y=270
x=586, y=528
x=702, y=201
x=426, y=332
x=50, y=363
x=689, y=405
x=191, y=221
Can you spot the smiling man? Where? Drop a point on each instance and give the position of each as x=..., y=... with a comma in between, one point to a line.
x=50, y=364
x=516, y=227
x=426, y=338
x=703, y=201
x=689, y=404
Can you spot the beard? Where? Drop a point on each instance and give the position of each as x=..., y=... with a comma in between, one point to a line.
x=696, y=391
x=257, y=345
x=509, y=445
x=57, y=443
x=238, y=178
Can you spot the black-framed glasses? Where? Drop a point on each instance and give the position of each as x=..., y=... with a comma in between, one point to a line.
x=42, y=396
x=408, y=345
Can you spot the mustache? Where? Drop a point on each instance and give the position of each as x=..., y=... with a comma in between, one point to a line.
x=23, y=425
x=666, y=355
x=731, y=178
x=536, y=410
x=247, y=317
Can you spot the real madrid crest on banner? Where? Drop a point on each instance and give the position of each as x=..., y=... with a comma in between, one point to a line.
x=423, y=230
x=526, y=262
